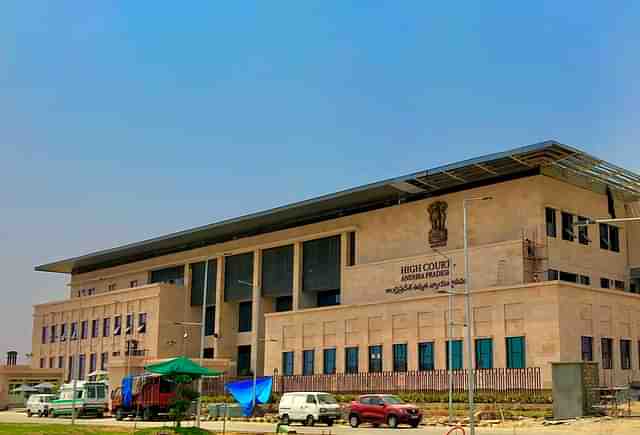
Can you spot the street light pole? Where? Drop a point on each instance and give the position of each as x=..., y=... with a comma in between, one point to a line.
x=467, y=292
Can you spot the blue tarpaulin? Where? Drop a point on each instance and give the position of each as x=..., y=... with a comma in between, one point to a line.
x=127, y=391
x=242, y=392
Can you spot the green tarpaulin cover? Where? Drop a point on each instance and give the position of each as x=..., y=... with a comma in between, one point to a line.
x=180, y=366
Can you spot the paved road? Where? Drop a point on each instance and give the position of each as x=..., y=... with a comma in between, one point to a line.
x=627, y=427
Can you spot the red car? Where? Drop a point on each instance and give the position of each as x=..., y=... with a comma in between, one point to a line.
x=383, y=409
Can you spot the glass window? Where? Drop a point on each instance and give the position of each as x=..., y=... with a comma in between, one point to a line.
x=41, y=363
x=585, y=280
x=210, y=320
x=587, y=348
x=614, y=238
x=307, y=362
x=283, y=303
x=106, y=326
x=104, y=360
x=238, y=277
x=569, y=277
x=133, y=283
x=351, y=360
x=625, y=354
x=400, y=357
x=425, y=356
x=607, y=353
x=91, y=392
x=567, y=226
x=619, y=285
x=328, y=298
x=198, y=278
x=583, y=232
x=61, y=362
x=74, y=330
x=516, y=353
x=605, y=283
x=244, y=360
x=550, y=217
x=351, y=240
x=117, y=325
x=321, y=264
x=84, y=329
x=81, y=367
x=54, y=333
x=208, y=353
x=44, y=335
x=329, y=361
x=604, y=236
x=484, y=353
x=456, y=354
x=170, y=275
x=93, y=358
x=277, y=271
x=311, y=399
x=287, y=363
x=142, y=323
x=95, y=328
x=245, y=314
x=553, y=275
x=129, y=329
x=52, y=362
x=375, y=359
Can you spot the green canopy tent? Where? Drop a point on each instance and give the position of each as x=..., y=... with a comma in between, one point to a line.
x=180, y=366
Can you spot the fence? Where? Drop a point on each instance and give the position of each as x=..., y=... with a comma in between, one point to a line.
x=498, y=380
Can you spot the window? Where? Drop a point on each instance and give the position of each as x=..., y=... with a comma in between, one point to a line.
x=277, y=271
x=92, y=362
x=61, y=362
x=625, y=354
x=52, y=362
x=484, y=353
x=307, y=362
x=619, y=285
x=287, y=363
x=328, y=298
x=104, y=360
x=44, y=335
x=587, y=348
x=283, y=303
x=133, y=283
x=609, y=237
x=63, y=332
x=311, y=399
x=208, y=353
x=84, y=333
x=210, y=320
x=198, y=278
x=129, y=327
x=117, y=325
x=329, y=361
x=351, y=243
x=106, y=326
x=607, y=353
x=351, y=360
x=400, y=357
x=142, y=323
x=604, y=236
x=95, y=328
x=54, y=334
x=605, y=283
x=170, y=275
x=245, y=314
x=425, y=356
x=41, y=363
x=569, y=277
x=321, y=264
x=550, y=217
x=553, y=275
x=375, y=359
x=456, y=354
x=567, y=226
x=585, y=280
x=238, y=277
x=81, y=365
x=111, y=287
x=74, y=330
x=516, y=353
x=583, y=232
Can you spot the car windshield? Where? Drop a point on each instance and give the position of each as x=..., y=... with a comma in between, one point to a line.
x=326, y=399
x=392, y=400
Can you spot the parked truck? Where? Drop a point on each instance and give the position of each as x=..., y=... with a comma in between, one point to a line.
x=145, y=396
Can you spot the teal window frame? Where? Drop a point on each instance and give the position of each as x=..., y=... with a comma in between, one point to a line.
x=456, y=354
x=516, y=352
x=287, y=363
x=425, y=356
x=308, y=362
x=400, y=357
x=329, y=361
x=484, y=353
x=351, y=360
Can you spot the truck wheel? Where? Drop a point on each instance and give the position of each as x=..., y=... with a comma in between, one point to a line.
x=285, y=420
x=309, y=421
x=53, y=414
x=147, y=414
x=29, y=414
x=119, y=414
x=330, y=422
x=392, y=421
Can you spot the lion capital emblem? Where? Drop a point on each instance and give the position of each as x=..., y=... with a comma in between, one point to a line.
x=438, y=217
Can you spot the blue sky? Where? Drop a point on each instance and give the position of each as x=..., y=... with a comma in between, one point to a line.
x=122, y=121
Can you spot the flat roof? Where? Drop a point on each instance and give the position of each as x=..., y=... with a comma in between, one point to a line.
x=517, y=162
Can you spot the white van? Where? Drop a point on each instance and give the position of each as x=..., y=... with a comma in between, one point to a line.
x=309, y=408
x=38, y=404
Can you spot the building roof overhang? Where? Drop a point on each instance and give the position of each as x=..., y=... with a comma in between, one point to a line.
x=487, y=169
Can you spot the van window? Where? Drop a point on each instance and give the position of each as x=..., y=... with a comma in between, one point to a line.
x=91, y=392
x=101, y=392
x=326, y=399
x=311, y=399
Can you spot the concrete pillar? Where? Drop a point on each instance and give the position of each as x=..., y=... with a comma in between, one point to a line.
x=297, y=276
x=257, y=320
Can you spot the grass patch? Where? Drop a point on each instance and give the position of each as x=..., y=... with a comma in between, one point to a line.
x=66, y=429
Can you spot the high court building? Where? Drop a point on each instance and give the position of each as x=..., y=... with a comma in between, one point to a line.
x=357, y=281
